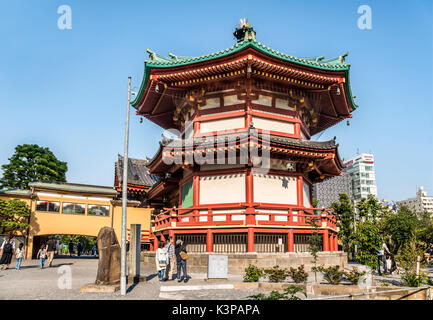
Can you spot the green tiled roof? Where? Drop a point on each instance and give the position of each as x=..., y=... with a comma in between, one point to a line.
x=158, y=61
x=72, y=187
x=337, y=63
x=15, y=192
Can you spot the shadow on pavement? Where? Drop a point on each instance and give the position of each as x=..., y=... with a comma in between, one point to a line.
x=150, y=277
x=131, y=287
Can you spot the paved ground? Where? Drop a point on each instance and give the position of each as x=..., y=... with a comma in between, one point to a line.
x=33, y=283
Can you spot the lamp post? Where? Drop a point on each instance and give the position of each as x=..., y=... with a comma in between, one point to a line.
x=124, y=197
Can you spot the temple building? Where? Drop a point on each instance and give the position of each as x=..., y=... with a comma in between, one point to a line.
x=238, y=178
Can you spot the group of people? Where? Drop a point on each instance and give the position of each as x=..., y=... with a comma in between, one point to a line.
x=7, y=250
x=167, y=255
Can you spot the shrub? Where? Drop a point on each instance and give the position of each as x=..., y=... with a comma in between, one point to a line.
x=288, y=294
x=253, y=273
x=354, y=275
x=298, y=275
x=331, y=274
x=411, y=279
x=276, y=274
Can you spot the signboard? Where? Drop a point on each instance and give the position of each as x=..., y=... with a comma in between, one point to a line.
x=217, y=266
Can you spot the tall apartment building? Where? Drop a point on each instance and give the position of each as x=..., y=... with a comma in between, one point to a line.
x=329, y=190
x=420, y=203
x=361, y=171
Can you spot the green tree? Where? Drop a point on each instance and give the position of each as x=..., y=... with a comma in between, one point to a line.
x=86, y=241
x=402, y=227
x=368, y=240
x=344, y=212
x=369, y=209
x=31, y=163
x=314, y=241
x=14, y=216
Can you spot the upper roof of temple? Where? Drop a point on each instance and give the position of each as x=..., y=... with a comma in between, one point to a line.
x=164, y=78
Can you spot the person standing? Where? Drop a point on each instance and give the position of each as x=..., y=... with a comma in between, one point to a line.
x=19, y=254
x=94, y=250
x=51, y=250
x=42, y=255
x=7, y=250
x=71, y=248
x=169, y=270
x=181, y=258
x=381, y=258
x=161, y=260
x=79, y=248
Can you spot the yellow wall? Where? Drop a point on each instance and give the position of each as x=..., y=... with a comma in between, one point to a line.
x=48, y=223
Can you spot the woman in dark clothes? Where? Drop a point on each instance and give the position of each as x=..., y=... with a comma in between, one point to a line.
x=181, y=263
x=7, y=250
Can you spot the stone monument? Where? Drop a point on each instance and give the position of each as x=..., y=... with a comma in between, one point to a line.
x=108, y=275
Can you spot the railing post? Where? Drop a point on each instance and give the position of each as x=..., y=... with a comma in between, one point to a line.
x=250, y=240
x=290, y=241
x=250, y=216
x=325, y=240
x=209, y=240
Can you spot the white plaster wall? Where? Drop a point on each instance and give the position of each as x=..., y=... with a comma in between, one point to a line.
x=231, y=100
x=264, y=101
x=306, y=194
x=282, y=104
x=228, y=188
x=222, y=124
x=211, y=103
x=274, y=189
x=274, y=125
x=277, y=218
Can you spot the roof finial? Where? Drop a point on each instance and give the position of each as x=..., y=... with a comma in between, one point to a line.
x=244, y=31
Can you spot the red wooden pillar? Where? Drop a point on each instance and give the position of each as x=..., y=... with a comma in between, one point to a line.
x=249, y=196
x=209, y=240
x=290, y=241
x=331, y=242
x=250, y=240
x=325, y=240
x=196, y=196
x=336, y=242
x=163, y=238
x=298, y=129
x=300, y=191
x=155, y=242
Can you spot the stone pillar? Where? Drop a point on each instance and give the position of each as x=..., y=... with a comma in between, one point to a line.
x=209, y=240
x=290, y=241
x=325, y=240
x=250, y=240
x=134, y=252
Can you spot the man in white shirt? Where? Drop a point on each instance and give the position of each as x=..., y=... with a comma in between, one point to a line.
x=381, y=258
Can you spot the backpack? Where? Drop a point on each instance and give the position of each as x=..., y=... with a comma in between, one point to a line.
x=7, y=248
x=183, y=255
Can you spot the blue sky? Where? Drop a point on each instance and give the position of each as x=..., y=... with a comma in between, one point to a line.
x=66, y=89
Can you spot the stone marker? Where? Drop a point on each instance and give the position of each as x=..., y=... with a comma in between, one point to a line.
x=108, y=276
x=134, y=255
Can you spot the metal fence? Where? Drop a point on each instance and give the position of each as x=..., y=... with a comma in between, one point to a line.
x=230, y=242
x=193, y=242
x=270, y=242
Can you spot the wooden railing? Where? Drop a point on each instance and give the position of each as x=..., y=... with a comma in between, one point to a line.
x=243, y=215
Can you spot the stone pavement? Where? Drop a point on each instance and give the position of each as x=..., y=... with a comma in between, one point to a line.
x=33, y=283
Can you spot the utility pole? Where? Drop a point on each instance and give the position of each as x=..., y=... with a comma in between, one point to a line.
x=124, y=197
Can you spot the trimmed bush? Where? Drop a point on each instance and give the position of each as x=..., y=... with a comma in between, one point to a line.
x=253, y=273
x=298, y=275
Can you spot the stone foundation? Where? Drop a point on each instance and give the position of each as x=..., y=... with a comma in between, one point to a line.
x=237, y=262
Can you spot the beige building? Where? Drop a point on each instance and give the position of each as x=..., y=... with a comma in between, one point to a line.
x=420, y=203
